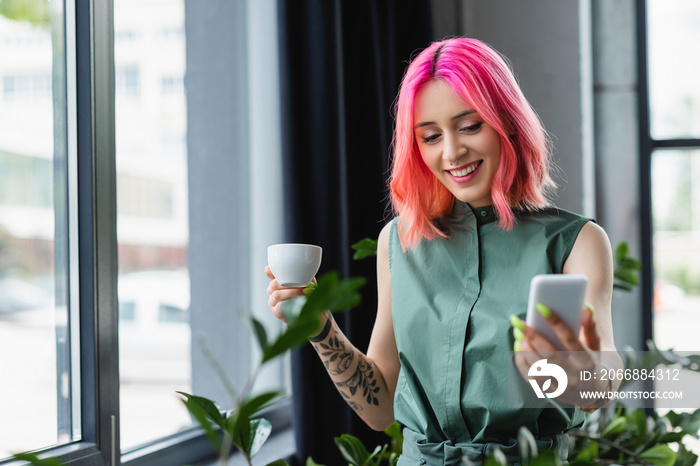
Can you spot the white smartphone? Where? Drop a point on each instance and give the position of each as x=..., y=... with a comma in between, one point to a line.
x=564, y=294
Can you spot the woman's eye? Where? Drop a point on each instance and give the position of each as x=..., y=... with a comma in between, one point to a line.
x=430, y=138
x=472, y=128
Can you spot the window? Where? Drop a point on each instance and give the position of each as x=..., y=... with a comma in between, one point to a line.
x=38, y=261
x=128, y=81
x=191, y=238
x=674, y=116
x=172, y=85
x=29, y=86
x=131, y=228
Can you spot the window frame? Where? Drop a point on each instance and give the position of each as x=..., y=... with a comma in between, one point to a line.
x=647, y=146
x=90, y=121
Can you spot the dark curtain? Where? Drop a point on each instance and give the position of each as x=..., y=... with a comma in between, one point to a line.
x=341, y=65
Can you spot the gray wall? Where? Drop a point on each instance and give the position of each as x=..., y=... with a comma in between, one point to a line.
x=616, y=147
x=575, y=61
x=218, y=172
x=546, y=41
x=235, y=186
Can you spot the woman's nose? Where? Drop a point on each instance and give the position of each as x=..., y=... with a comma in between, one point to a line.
x=453, y=150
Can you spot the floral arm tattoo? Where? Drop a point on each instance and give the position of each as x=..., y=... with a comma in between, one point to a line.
x=338, y=356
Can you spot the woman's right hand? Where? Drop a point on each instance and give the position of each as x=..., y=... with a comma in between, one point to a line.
x=277, y=294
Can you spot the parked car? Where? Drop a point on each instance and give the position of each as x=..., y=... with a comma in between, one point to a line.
x=18, y=295
x=154, y=329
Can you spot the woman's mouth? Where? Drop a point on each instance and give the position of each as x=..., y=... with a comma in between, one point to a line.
x=465, y=173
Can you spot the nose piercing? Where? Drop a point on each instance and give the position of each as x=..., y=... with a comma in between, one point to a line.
x=452, y=164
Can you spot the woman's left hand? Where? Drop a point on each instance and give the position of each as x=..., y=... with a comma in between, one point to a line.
x=581, y=352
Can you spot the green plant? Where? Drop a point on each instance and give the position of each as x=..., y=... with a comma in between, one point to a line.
x=655, y=357
x=626, y=268
x=34, y=460
x=241, y=427
x=356, y=454
x=35, y=12
x=625, y=437
x=365, y=248
x=633, y=437
x=616, y=436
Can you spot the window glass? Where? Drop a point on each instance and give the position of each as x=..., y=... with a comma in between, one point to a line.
x=676, y=217
x=673, y=38
x=152, y=228
x=198, y=202
x=35, y=342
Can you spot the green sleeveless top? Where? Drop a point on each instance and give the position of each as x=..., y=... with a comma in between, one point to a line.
x=451, y=301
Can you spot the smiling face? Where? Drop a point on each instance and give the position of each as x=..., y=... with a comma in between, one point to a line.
x=456, y=144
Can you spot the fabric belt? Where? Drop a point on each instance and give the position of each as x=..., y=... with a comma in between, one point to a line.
x=417, y=451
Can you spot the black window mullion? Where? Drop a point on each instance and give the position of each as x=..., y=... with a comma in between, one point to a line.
x=97, y=224
x=646, y=147
x=676, y=144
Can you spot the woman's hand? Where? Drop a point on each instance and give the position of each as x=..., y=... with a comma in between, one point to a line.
x=581, y=352
x=277, y=294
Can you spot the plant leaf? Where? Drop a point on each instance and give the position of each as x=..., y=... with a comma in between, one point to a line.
x=630, y=263
x=333, y=295
x=685, y=457
x=396, y=435
x=310, y=462
x=627, y=276
x=294, y=336
x=210, y=408
x=259, y=332
x=659, y=455
x=260, y=430
x=638, y=420
x=198, y=409
x=526, y=444
x=291, y=308
x=621, y=251
x=35, y=460
x=615, y=426
x=282, y=463
x=497, y=458
x=546, y=458
x=248, y=410
x=689, y=423
x=589, y=453
x=352, y=449
x=251, y=435
x=310, y=288
x=366, y=247
x=259, y=402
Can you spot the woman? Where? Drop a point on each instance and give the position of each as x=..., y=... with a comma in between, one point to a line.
x=473, y=226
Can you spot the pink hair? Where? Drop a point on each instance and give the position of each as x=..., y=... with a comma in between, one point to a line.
x=482, y=77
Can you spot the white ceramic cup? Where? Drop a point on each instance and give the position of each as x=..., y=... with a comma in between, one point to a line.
x=294, y=265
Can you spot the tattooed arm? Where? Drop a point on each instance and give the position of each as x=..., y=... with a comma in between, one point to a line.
x=366, y=382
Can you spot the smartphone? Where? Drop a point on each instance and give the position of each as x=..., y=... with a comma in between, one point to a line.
x=564, y=294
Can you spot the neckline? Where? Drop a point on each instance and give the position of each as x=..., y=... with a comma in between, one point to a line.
x=483, y=215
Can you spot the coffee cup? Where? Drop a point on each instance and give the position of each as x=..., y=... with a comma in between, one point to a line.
x=294, y=265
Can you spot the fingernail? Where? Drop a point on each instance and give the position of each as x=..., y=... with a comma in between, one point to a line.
x=516, y=322
x=518, y=334
x=310, y=288
x=544, y=310
x=516, y=346
x=590, y=308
